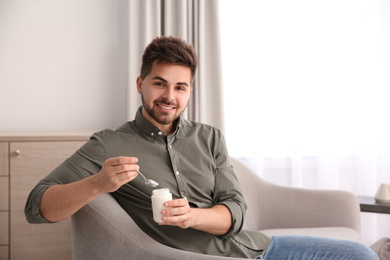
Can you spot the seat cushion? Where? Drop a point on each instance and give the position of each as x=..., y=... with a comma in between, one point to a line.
x=328, y=232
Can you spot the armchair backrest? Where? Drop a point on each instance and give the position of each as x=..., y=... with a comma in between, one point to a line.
x=253, y=187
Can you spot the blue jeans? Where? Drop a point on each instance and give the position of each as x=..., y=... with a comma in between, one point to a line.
x=316, y=248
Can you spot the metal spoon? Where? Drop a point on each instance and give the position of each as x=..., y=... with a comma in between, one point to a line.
x=149, y=182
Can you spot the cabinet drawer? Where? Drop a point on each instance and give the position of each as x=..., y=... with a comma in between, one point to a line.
x=4, y=252
x=4, y=227
x=4, y=193
x=4, y=159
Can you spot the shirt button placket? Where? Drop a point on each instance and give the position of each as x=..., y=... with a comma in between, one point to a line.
x=175, y=161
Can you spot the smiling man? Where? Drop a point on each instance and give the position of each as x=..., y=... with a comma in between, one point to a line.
x=165, y=92
x=207, y=212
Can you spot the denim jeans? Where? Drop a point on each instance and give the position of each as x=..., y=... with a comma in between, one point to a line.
x=316, y=248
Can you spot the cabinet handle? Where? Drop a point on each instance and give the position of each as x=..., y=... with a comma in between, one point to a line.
x=17, y=152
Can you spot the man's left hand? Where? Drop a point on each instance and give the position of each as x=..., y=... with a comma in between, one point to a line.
x=178, y=214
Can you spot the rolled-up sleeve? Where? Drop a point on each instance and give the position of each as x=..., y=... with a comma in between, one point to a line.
x=228, y=193
x=83, y=163
x=228, y=190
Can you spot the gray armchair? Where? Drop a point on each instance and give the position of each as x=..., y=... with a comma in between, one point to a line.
x=103, y=230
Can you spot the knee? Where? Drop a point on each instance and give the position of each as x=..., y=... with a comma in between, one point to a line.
x=361, y=251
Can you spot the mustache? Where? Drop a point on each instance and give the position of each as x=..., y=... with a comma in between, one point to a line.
x=166, y=102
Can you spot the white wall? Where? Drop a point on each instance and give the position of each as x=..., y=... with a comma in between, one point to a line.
x=63, y=64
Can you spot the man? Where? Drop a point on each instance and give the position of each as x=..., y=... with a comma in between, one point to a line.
x=207, y=211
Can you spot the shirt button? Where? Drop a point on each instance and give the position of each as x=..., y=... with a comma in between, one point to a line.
x=185, y=198
x=169, y=147
x=152, y=134
x=177, y=173
x=159, y=133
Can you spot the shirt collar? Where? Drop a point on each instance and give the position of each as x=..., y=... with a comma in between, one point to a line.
x=148, y=128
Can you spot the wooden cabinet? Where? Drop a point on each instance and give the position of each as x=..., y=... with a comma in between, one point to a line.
x=4, y=201
x=24, y=160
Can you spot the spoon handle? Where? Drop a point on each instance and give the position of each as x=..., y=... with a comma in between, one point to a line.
x=142, y=175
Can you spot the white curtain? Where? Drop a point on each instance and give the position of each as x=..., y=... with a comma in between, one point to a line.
x=306, y=86
x=195, y=21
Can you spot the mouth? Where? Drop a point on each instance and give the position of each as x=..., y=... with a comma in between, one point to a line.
x=165, y=107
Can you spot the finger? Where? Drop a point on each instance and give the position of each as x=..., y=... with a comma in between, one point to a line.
x=175, y=221
x=123, y=168
x=126, y=176
x=177, y=211
x=176, y=203
x=114, y=170
x=121, y=160
x=127, y=160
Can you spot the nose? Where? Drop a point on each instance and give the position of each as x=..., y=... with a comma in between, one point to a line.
x=169, y=94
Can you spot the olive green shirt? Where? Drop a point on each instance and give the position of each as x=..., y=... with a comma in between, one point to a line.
x=192, y=162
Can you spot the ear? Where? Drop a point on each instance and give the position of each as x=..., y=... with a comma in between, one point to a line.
x=139, y=85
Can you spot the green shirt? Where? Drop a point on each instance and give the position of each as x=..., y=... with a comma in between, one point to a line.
x=192, y=162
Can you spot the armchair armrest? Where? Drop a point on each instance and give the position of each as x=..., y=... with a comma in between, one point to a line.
x=103, y=230
x=287, y=207
x=273, y=206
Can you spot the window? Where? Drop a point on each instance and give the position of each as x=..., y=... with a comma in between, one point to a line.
x=306, y=92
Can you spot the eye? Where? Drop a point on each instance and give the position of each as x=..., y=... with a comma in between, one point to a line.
x=159, y=84
x=181, y=88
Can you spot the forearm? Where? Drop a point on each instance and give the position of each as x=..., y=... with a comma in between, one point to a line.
x=61, y=201
x=216, y=220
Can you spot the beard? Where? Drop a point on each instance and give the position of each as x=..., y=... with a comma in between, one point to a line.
x=160, y=117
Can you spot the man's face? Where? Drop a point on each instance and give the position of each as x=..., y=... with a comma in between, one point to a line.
x=165, y=93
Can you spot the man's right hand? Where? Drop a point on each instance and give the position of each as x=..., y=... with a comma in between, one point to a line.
x=116, y=172
x=63, y=200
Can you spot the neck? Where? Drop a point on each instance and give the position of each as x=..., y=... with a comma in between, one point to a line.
x=168, y=128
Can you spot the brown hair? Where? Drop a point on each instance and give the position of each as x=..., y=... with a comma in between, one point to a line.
x=170, y=50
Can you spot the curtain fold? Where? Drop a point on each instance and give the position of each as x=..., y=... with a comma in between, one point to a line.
x=195, y=21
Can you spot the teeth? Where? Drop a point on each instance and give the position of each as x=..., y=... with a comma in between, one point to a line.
x=166, y=107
